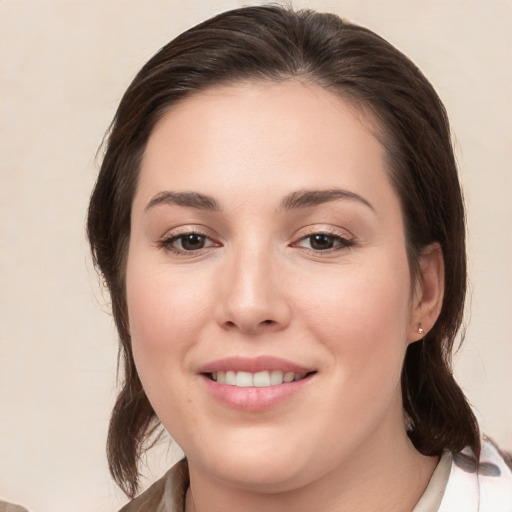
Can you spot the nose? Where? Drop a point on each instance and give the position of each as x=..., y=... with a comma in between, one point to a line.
x=252, y=297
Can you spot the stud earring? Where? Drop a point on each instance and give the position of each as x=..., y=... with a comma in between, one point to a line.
x=420, y=330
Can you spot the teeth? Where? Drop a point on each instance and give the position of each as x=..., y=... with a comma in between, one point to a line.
x=276, y=377
x=258, y=379
x=242, y=379
x=261, y=379
x=288, y=377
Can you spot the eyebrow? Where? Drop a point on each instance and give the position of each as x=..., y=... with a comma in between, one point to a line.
x=189, y=199
x=309, y=198
x=293, y=201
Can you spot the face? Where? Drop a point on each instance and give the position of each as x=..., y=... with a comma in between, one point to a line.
x=269, y=293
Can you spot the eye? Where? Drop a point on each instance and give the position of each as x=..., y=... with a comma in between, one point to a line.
x=323, y=242
x=187, y=242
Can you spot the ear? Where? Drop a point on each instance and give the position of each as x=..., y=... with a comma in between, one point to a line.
x=428, y=292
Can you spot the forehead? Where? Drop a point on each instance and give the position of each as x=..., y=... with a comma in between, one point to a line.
x=291, y=102
x=259, y=136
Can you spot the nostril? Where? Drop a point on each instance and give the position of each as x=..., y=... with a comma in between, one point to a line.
x=249, y=327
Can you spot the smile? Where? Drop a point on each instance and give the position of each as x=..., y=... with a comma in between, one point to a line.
x=258, y=380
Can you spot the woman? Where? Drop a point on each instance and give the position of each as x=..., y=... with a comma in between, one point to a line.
x=280, y=225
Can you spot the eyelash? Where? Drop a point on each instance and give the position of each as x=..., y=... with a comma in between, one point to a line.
x=167, y=243
x=342, y=242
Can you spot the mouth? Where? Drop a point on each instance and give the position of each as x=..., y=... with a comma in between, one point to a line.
x=261, y=379
x=255, y=384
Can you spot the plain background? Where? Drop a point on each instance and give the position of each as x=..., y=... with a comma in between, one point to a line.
x=63, y=68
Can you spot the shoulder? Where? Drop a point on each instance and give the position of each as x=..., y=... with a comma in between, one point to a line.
x=165, y=495
x=9, y=507
x=495, y=479
x=483, y=486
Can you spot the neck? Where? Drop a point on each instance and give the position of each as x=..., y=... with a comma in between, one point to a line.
x=384, y=477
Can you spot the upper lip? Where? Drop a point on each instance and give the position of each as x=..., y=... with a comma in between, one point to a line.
x=253, y=365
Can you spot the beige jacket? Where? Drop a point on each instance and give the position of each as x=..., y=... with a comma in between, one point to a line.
x=165, y=495
x=9, y=507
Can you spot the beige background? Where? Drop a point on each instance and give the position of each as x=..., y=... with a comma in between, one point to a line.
x=63, y=68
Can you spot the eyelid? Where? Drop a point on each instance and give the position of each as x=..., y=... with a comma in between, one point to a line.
x=325, y=230
x=346, y=238
x=166, y=241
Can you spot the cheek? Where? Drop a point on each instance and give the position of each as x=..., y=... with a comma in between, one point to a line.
x=165, y=314
x=164, y=319
x=362, y=319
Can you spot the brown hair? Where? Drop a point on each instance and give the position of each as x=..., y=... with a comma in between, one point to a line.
x=274, y=43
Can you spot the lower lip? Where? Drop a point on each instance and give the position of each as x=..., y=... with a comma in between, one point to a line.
x=252, y=399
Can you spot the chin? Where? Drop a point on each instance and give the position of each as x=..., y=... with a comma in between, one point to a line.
x=253, y=462
x=269, y=476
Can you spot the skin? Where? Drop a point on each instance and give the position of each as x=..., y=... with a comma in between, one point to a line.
x=260, y=286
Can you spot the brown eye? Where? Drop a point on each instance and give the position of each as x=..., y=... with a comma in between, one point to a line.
x=324, y=242
x=321, y=242
x=192, y=242
x=187, y=243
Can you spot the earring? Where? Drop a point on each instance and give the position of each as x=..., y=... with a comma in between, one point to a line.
x=420, y=329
